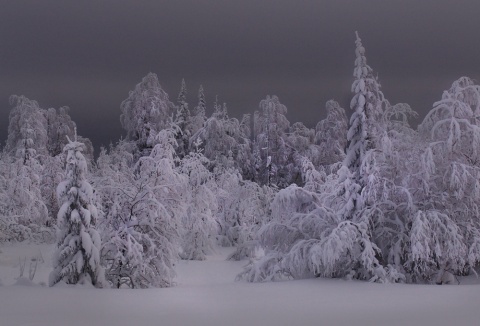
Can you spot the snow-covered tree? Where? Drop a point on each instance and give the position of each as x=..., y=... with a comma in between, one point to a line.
x=270, y=129
x=444, y=233
x=330, y=135
x=243, y=207
x=143, y=210
x=365, y=122
x=198, y=117
x=216, y=137
x=22, y=169
x=27, y=129
x=137, y=251
x=77, y=258
x=183, y=121
x=200, y=227
x=243, y=155
x=145, y=112
x=59, y=126
x=300, y=144
x=330, y=227
x=52, y=175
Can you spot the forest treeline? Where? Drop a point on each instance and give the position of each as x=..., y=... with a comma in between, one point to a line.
x=367, y=198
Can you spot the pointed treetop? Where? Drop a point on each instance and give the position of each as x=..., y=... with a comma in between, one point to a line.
x=216, y=106
x=201, y=95
x=358, y=43
x=182, y=96
x=200, y=109
x=361, y=68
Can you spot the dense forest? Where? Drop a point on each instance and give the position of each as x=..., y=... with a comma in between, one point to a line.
x=368, y=198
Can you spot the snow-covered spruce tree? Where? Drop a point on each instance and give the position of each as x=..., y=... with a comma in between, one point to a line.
x=145, y=112
x=198, y=117
x=77, y=258
x=328, y=228
x=365, y=127
x=183, y=121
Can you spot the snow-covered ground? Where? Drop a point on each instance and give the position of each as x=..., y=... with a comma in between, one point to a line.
x=206, y=294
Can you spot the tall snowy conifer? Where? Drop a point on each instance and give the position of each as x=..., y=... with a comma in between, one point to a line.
x=365, y=122
x=199, y=116
x=183, y=121
x=77, y=258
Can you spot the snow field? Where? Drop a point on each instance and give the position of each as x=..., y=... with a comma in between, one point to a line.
x=206, y=294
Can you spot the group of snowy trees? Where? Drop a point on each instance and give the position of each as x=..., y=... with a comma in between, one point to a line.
x=370, y=199
x=400, y=206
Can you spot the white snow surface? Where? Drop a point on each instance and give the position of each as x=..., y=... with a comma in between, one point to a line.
x=206, y=294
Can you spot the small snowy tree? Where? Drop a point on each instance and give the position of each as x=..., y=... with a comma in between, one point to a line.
x=59, y=126
x=52, y=175
x=137, y=251
x=200, y=227
x=217, y=137
x=330, y=135
x=77, y=258
x=22, y=171
x=270, y=129
x=243, y=207
x=143, y=209
x=27, y=129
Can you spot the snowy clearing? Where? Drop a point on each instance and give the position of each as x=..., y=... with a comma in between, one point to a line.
x=206, y=294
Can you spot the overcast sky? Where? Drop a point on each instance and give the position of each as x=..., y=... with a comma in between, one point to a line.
x=88, y=54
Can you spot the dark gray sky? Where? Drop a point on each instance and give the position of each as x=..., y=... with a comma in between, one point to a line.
x=88, y=54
